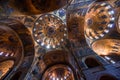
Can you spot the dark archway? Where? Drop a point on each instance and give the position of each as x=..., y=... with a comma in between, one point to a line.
x=107, y=77
x=91, y=62
x=16, y=76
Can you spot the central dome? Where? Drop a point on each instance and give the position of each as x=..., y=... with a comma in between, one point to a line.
x=49, y=31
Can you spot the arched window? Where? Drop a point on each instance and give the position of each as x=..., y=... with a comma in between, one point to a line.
x=91, y=62
x=107, y=77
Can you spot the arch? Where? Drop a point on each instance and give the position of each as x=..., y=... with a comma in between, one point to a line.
x=107, y=77
x=92, y=62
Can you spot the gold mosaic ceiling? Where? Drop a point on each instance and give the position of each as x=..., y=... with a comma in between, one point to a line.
x=49, y=31
x=97, y=27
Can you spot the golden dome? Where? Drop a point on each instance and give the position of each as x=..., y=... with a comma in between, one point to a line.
x=101, y=32
x=58, y=72
x=49, y=31
x=11, y=49
x=10, y=44
x=99, y=20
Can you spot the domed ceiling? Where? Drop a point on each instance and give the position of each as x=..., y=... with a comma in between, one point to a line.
x=11, y=49
x=15, y=44
x=101, y=30
x=49, y=31
x=42, y=33
x=58, y=72
x=99, y=20
x=10, y=44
